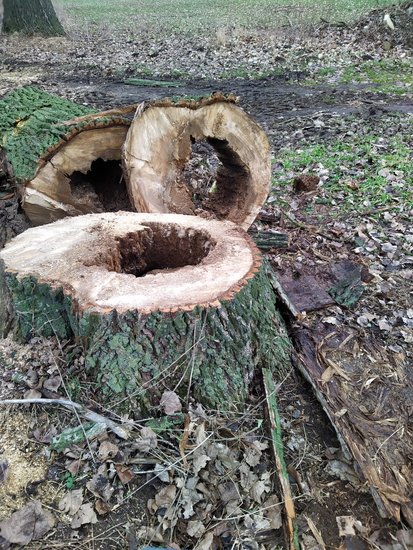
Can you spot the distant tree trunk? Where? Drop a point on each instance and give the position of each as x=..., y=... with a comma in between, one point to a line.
x=30, y=17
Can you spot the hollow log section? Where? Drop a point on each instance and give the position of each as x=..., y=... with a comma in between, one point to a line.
x=158, y=301
x=159, y=145
x=49, y=145
x=366, y=392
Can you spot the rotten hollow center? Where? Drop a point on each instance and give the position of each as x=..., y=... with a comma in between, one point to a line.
x=160, y=247
x=104, y=185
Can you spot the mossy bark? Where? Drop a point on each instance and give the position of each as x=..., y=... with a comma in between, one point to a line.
x=45, y=139
x=31, y=17
x=212, y=352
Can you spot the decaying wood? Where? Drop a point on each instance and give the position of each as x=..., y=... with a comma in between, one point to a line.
x=158, y=301
x=49, y=145
x=291, y=533
x=267, y=240
x=366, y=392
x=159, y=145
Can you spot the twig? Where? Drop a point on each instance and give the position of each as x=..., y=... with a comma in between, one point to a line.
x=308, y=227
x=291, y=531
x=71, y=405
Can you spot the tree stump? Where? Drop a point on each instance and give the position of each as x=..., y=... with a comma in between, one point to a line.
x=66, y=156
x=159, y=301
x=159, y=145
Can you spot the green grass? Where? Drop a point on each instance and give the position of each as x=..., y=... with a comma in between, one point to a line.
x=381, y=172
x=388, y=75
x=190, y=16
x=393, y=76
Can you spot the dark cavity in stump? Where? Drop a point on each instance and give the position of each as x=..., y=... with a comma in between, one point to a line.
x=104, y=182
x=160, y=247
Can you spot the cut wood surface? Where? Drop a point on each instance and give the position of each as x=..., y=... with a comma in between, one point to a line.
x=159, y=145
x=66, y=156
x=158, y=301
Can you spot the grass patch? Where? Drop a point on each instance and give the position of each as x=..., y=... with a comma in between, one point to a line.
x=189, y=16
x=388, y=74
x=393, y=76
x=365, y=172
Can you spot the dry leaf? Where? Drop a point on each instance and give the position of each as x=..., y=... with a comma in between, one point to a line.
x=228, y=491
x=195, y=528
x=32, y=394
x=206, y=543
x=53, y=383
x=166, y=496
x=345, y=525
x=170, y=402
x=199, y=463
x=74, y=466
x=85, y=514
x=253, y=454
x=258, y=489
x=100, y=486
x=272, y=510
x=71, y=502
x=107, y=450
x=147, y=441
x=125, y=474
x=45, y=435
x=102, y=508
x=32, y=522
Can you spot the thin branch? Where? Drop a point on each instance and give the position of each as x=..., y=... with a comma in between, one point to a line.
x=71, y=405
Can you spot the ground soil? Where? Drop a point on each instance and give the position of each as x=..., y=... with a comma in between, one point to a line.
x=283, y=105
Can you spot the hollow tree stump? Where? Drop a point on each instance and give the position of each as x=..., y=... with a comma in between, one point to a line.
x=159, y=301
x=159, y=145
x=65, y=156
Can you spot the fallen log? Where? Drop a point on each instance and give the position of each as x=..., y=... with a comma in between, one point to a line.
x=65, y=156
x=159, y=145
x=159, y=301
x=365, y=391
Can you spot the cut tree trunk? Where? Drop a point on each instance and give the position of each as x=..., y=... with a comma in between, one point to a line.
x=30, y=17
x=159, y=301
x=66, y=156
x=159, y=145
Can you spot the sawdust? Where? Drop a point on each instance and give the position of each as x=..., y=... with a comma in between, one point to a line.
x=26, y=464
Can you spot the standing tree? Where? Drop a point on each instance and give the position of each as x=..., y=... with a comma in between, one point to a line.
x=30, y=17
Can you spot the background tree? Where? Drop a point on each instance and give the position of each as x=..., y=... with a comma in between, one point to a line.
x=30, y=17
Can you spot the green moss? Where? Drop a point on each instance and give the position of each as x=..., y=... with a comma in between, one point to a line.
x=38, y=309
x=133, y=357
x=31, y=124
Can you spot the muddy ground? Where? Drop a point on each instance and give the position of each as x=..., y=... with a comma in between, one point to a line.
x=294, y=114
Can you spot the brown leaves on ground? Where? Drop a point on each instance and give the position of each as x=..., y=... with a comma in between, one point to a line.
x=229, y=481
x=30, y=523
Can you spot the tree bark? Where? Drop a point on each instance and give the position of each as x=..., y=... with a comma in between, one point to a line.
x=158, y=302
x=158, y=148
x=31, y=17
x=51, y=147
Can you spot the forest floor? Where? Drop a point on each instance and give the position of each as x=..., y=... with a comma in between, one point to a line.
x=336, y=103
